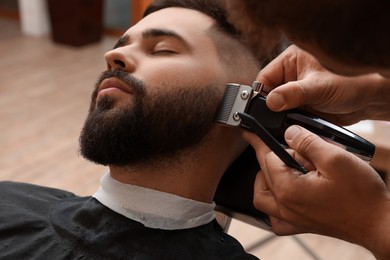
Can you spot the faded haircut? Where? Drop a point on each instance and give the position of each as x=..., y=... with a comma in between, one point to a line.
x=230, y=44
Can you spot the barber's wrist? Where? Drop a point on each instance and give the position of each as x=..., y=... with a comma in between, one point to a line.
x=378, y=239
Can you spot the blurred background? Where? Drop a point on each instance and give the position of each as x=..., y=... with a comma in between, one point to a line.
x=51, y=53
x=47, y=17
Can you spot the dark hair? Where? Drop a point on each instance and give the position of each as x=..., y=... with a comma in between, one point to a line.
x=213, y=8
x=350, y=31
x=216, y=9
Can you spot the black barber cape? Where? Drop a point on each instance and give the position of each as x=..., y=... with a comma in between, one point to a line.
x=44, y=223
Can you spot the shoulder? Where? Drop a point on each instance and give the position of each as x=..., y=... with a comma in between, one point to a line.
x=24, y=218
x=23, y=198
x=204, y=242
x=9, y=188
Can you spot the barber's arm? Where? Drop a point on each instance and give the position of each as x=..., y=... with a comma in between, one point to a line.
x=299, y=80
x=341, y=196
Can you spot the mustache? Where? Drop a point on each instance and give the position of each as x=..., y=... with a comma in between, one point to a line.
x=137, y=85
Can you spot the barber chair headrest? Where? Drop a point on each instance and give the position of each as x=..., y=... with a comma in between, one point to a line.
x=234, y=195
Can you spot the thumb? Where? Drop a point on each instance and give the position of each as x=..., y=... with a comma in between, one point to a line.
x=287, y=96
x=310, y=146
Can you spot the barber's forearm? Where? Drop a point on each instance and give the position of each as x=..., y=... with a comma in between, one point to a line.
x=381, y=249
x=377, y=240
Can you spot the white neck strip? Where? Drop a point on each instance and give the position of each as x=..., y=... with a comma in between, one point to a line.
x=154, y=209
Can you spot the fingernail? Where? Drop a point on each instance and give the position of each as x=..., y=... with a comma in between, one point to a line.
x=276, y=100
x=292, y=132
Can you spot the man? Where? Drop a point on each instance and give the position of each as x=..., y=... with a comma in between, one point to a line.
x=341, y=196
x=151, y=120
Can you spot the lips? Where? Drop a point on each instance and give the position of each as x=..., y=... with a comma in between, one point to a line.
x=113, y=84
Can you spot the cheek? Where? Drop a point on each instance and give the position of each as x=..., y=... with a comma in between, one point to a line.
x=182, y=72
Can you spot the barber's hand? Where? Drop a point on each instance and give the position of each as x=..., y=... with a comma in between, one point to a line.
x=300, y=81
x=341, y=196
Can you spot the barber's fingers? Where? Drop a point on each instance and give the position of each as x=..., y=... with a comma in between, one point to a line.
x=255, y=142
x=331, y=162
x=288, y=187
x=262, y=150
x=282, y=69
x=319, y=152
x=283, y=228
x=265, y=201
x=263, y=198
x=268, y=202
x=283, y=74
x=293, y=75
x=290, y=95
x=264, y=184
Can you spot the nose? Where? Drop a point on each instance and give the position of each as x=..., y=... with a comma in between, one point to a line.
x=119, y=59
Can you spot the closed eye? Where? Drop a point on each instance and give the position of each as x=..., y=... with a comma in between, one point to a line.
x=164, y=52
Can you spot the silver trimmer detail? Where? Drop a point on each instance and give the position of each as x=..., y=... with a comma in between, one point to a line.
x=236, y=99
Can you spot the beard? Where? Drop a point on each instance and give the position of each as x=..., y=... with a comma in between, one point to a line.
x=154, y=129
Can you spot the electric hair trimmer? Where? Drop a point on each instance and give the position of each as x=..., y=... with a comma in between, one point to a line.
x=245, y=106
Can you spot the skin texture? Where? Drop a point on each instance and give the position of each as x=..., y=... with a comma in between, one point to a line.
x=299, y=80
x=167, y=64
x=341, y=196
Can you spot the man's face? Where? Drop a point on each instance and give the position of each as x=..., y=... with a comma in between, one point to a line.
x=159, y=94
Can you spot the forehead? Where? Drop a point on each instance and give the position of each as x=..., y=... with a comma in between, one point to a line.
x=189, y=24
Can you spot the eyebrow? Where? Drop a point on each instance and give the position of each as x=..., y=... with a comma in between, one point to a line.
x=153, y=33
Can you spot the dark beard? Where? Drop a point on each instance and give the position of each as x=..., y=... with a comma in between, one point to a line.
x=154, y=127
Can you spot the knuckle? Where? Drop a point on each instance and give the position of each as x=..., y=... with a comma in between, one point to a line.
x=306, y=142
x=283, y=196
x=282, y=192
x=338, y=158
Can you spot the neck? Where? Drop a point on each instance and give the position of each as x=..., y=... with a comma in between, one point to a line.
x=195, y=175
